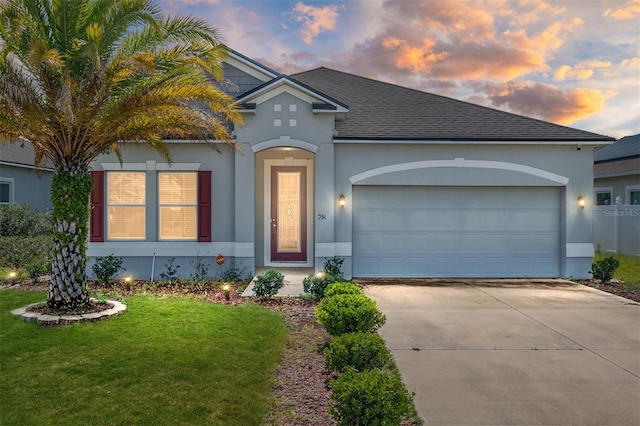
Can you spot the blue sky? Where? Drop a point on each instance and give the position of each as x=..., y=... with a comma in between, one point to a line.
x=572, y=62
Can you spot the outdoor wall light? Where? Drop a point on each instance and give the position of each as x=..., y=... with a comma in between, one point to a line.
x=342, y=200
x=582, y=202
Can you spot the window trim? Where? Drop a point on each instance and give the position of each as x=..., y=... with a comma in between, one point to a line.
x=12, y=189
x=107, y=205
x=194, y=205
x=603, y=190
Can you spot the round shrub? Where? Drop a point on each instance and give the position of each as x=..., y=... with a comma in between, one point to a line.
x=342, y=288
x=372, y=398
x=349, y=313
x=361, y=351
x=316, y=286
x=268, y=284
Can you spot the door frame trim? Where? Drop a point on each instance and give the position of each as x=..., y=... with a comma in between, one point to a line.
x=288, y=161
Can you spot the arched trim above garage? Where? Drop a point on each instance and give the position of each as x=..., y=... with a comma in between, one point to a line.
x=554, y=179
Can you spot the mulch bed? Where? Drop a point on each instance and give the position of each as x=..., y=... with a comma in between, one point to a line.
x=615, y=287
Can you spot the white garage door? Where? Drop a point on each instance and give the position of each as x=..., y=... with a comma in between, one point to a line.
x=456, y=232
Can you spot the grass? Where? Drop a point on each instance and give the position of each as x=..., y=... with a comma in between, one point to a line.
x=164, y=361
x=628, y=271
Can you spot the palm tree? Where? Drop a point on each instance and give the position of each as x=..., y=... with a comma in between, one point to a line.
x=79, y=78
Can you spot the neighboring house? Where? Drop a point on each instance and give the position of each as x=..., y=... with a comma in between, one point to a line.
x=398, y=182
x=616, y=173
x=22, y=182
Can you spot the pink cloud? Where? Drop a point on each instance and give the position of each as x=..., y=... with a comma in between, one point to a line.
x=548, y=102
x=630, y=10
x=315, y=20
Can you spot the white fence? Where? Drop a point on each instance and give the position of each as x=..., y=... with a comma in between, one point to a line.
x=616, y=229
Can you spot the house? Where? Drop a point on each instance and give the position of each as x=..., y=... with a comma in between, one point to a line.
x=398, y=182
x=616, y=181
x=616, y=172
x=22, y=182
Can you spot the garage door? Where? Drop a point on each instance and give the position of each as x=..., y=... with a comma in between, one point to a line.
x=456, y=232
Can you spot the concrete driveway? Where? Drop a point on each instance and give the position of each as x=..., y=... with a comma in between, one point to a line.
x=514, y=352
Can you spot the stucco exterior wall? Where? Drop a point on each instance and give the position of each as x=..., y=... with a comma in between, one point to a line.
x=457, y=165
x=139, y=255
x=29, y=186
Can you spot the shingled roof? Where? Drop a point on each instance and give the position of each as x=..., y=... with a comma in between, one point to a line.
x=627, y=147
x=379, y=110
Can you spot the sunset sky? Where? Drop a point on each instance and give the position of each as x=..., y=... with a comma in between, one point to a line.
x=572, y=62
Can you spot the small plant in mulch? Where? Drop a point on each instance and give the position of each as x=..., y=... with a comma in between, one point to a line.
x=106, y=268
x=267, y=284
x=604, y=269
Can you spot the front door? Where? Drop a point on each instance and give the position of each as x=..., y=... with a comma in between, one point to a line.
x=288, y=214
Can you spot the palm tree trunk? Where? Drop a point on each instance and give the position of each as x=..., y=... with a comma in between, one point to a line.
x=70, y=191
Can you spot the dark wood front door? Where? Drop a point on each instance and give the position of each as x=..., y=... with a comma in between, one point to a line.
x=288, y=214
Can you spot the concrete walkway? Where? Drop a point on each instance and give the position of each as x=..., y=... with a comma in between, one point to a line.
x=292, y=281
x=499, y=353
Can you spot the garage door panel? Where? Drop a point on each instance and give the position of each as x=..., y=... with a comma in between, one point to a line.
x=456, y=232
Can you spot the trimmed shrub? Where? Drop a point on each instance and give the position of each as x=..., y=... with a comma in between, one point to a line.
x=268, y=284
x=360, y=351
x=316, y=286
x=372, y=398
x=349, y=313
x=16, y=220
x=106, y=268
x=19, y=252
x=342, y=288
x=604, y=269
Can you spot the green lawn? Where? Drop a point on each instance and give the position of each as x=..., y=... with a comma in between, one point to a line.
x=164, y=361
x=628, y=271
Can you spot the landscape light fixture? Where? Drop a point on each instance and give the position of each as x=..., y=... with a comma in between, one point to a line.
x=582, y=202
x=227, y=296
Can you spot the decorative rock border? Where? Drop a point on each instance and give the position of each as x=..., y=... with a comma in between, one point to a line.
x=51, y=320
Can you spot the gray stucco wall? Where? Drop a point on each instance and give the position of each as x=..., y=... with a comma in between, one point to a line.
x=30, y=187
x=196, y=156
x=565, y=161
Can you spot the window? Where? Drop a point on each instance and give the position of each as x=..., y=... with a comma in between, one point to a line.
x=6, y=190
x=178, y=197
x=126, y=205
x=603, y=196
x=633, y=195
x=183, y=201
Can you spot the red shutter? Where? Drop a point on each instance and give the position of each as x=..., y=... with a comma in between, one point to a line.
x=204, y=206
x=96, y=221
